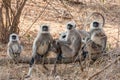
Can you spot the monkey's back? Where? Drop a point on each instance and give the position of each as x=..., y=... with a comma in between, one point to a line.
x=75, y=44
x=75, y=38
x=43, y=43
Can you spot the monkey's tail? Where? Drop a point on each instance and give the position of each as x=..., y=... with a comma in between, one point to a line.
x=92, y=14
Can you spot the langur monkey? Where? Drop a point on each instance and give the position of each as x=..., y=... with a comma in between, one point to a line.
x=41, y=46
x=70, y=46
x=96, y=43
x=14, y=48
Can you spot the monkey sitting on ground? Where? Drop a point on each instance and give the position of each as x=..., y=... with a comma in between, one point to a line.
x=69, y=47
x=41, y=46
x=14, y=48
x=96, y=43
x=84, y=36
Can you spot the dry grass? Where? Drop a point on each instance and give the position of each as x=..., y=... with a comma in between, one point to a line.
x=69, y=71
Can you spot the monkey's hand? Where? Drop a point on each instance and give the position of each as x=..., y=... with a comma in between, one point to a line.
x=54, y=45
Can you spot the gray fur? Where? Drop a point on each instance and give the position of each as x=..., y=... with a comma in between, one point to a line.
x=14, y=48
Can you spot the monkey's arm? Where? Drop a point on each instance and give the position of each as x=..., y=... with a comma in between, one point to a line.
x=9, y=50
x=51, y=38
x=34, y=48
x=51, y=42
x=103, y=38
x=104, y=43
x=65, y=42
x=20, y=48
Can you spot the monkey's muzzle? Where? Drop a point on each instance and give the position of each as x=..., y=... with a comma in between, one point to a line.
x=69, y=26
x=13, y=37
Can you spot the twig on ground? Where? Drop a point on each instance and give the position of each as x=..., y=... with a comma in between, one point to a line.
x=104, y=68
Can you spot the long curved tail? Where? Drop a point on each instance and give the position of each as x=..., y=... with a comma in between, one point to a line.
x=92, y=14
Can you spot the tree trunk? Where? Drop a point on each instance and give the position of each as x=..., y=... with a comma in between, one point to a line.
x=9, y=18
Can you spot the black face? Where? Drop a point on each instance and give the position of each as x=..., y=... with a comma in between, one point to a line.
x=45, y=28
x=69, y=26
x=63, y=36
x=95, y=24
x=14, y=37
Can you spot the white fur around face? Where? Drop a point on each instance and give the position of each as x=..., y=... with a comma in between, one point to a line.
x=40, y=31
x=10, y=37
x=91, y=25
x=61, y=36
x=72, y=23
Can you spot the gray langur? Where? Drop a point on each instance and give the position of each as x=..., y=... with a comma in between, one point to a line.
x=14, y=48
x=41, y=46
x=98, y=35
x=71, y=46
x=97, y=39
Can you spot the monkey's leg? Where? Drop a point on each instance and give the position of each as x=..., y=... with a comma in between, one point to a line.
x=31, y=67
x=87, y=61
x=16, y=58
x=58, y=58
x=80, y=64
x=85, y=55
x=79, y=60
x=43, y=57
x=43, y=64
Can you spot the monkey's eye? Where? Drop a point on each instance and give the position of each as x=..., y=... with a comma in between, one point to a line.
x=95, y=24
x=13, y=37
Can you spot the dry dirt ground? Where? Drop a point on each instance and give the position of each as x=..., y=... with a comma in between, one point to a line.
x=57, y=24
